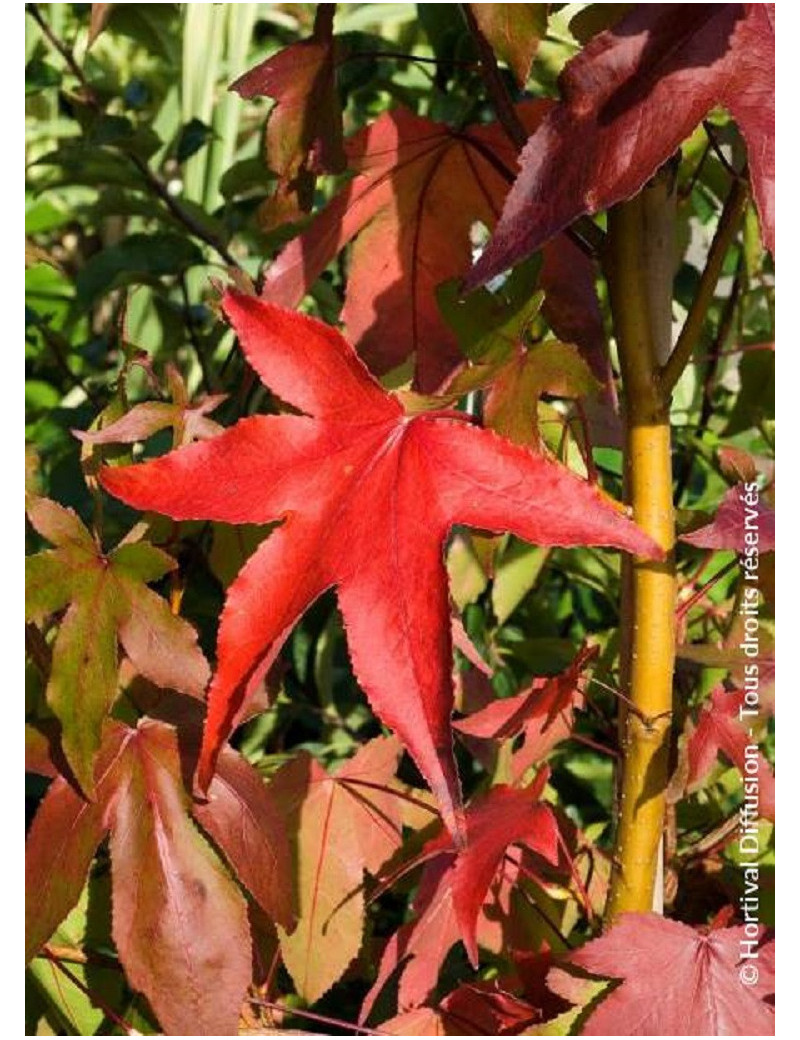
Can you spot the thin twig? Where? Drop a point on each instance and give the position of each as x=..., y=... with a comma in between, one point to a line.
x=313, y=1017
x=175, y=207
x=95, y=998
x=727, y=228
x=208, y=380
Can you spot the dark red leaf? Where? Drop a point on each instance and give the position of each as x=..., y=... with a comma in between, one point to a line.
x=631, y=96
x=677, y=981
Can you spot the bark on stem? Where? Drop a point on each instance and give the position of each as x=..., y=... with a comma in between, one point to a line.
x=639, y=279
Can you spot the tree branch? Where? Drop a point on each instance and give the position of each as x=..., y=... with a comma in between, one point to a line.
x=727, y=228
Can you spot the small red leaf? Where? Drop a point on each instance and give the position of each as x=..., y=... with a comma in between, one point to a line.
x=503, y=817
x=742, y=522
x=721, y=728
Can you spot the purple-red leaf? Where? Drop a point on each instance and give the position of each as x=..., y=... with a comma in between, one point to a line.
x=631, y=96
x=678, y=981
x=742, y=522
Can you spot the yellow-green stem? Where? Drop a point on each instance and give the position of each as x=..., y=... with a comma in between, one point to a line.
x=648, y=637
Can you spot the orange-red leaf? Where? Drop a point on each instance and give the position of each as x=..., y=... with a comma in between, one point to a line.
x=367, y=495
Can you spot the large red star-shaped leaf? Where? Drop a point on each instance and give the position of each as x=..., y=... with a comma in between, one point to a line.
x=367, y=495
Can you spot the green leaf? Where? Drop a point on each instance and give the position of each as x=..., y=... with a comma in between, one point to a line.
x=108, y=602
x=515, y=576
x=139, y=258
x=39, y=75
x=193, y=136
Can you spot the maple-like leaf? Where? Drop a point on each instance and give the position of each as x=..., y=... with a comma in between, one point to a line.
x=419, y=187
x=420, y=946
x=677, y=981
x=544, y=712
x=368, y=495
x=180, y=921
x=631, y=96
x=505, y=816
x=742, y=520
x=343, y=825
x=304, y=129
x=456, y=884
x=107, y=601
x=189, y=421
x=721, y=729
x=514, y=31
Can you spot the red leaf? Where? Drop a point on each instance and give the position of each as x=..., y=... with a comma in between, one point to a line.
x=242, y=817
x=629, y=98
x=722, y=729
x=741, y=520
x=544, y=712
x=368, y=496
x=456, y=884
x=304, y=129
x=180, y=923
x=504, y=816
x=421, y=945
x=677, y=981
x=418, y=188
